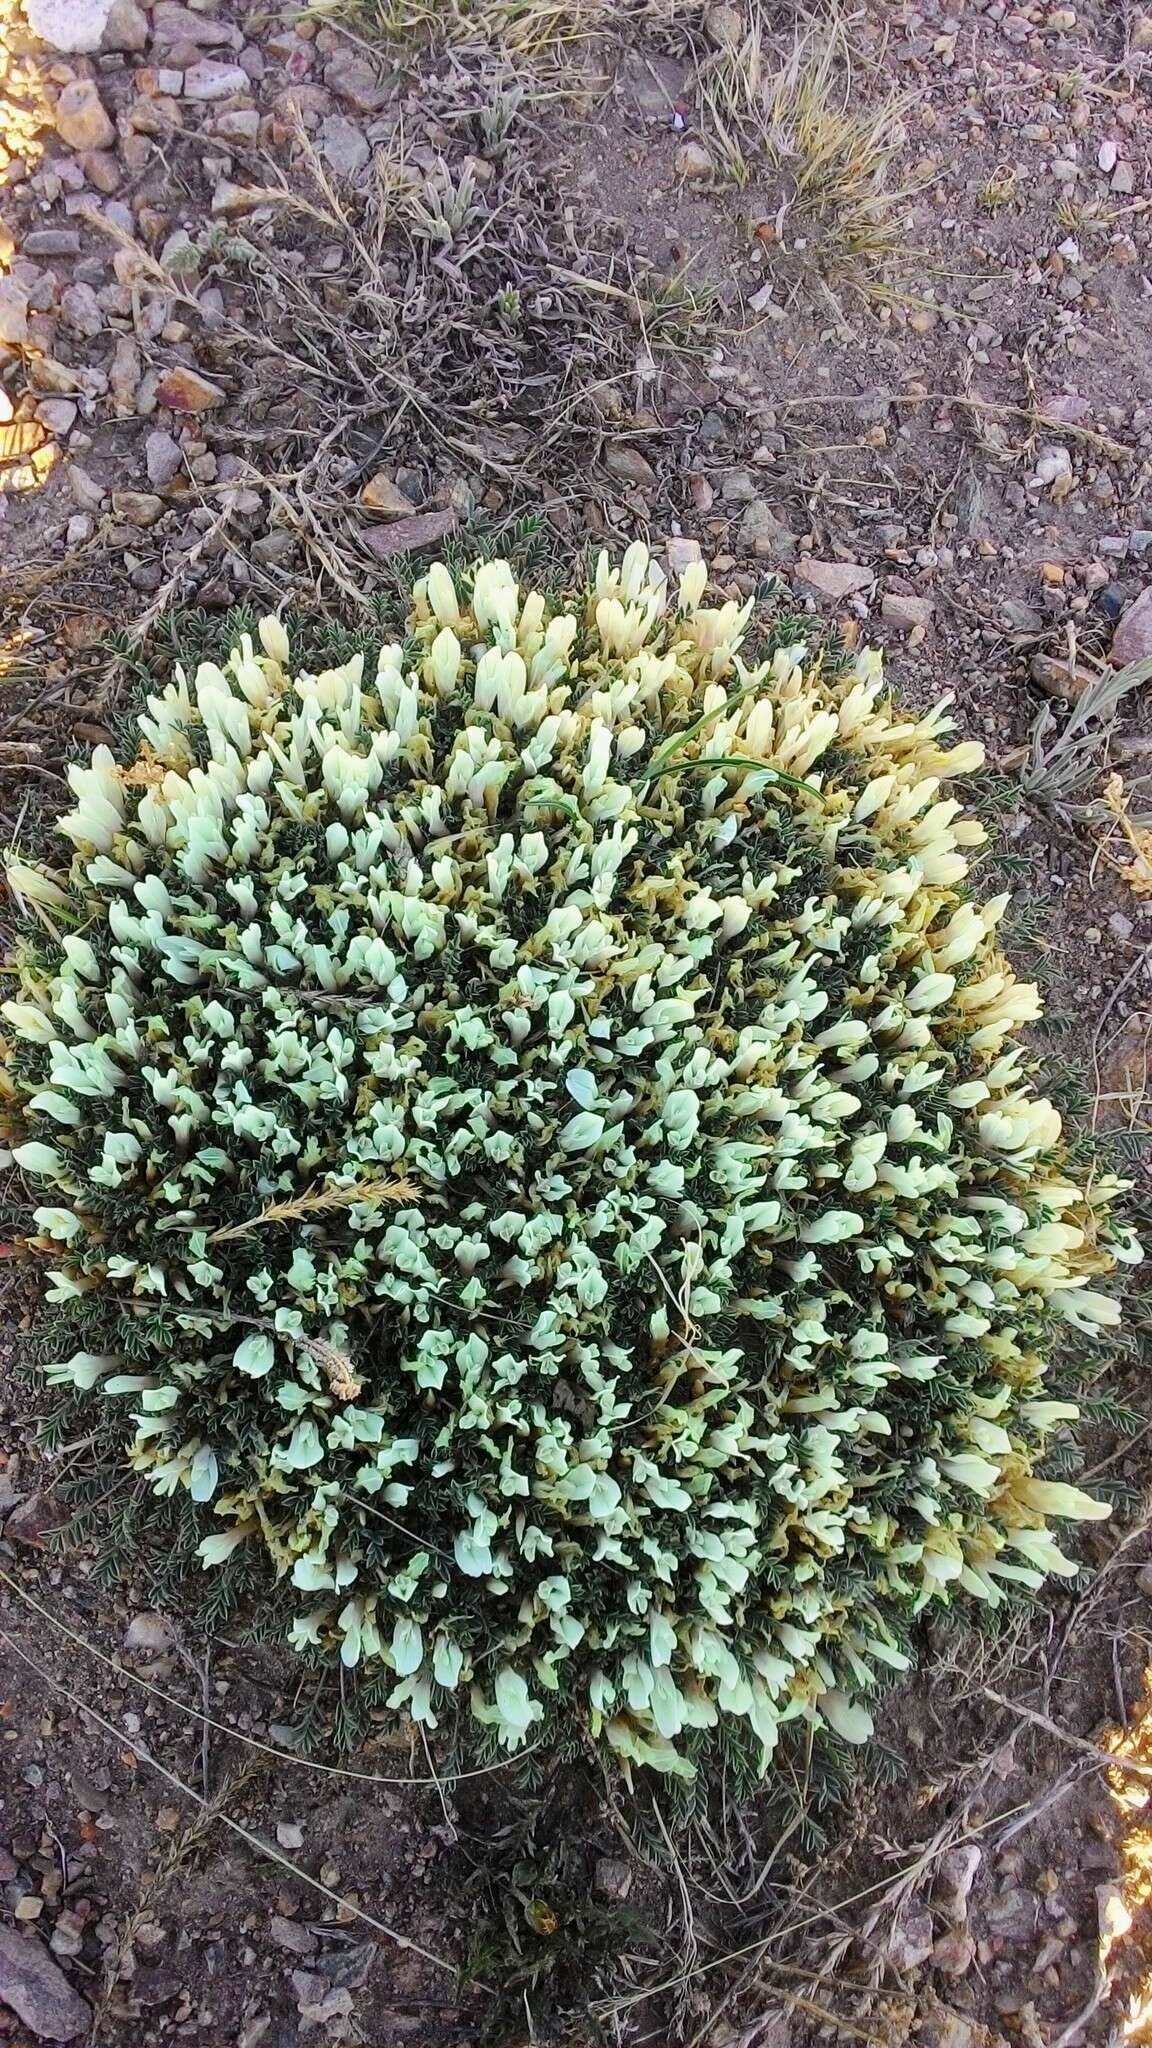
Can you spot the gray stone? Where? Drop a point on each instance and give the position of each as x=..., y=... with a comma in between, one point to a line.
x=86, y=492
x=1133, y=639
x=81, y=310
x=910, y=1942
x=628, y=466
x=344, y=147
x=237, y=124
x=1013, y=1914
x=382, y=495
x=163, y=459
x=126, y=27
x=356, y=81
x=739, y=487
x=680, y=552
x=51, y=242
x=1020, y=617
x=763, y=534
x=137, y=508
x=13, y=312
x=172, y=23
x=908, y=612
x=613, y=1878
x=652, y=82
x=276, y=547
x=38, y=1991
x=290, y=1935
x=955, y=1878
x=57, y=414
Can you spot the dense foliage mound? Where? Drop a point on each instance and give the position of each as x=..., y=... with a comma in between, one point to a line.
x=549, y=1106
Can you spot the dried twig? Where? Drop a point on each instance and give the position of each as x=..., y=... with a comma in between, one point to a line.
x=967, y=401
x=1105, y=1757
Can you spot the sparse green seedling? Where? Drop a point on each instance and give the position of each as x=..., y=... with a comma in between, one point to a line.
x=1064, y=760
x=996, y=191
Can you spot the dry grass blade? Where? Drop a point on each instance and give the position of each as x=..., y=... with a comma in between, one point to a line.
x=118, y=1959
x=318, y=1202
x=336, y=1364
x=1111, y=1760
x=969, y=402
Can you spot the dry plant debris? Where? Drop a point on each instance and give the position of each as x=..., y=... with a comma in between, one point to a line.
x=1137, y=869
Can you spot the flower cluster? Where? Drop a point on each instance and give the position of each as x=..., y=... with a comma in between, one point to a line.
x=552, y=1105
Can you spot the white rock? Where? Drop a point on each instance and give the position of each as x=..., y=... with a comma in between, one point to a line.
x=213, y=80
x=681, y=552
x=1107, y=156
x=834, y=579
x=1053, y=472
x=68, y=25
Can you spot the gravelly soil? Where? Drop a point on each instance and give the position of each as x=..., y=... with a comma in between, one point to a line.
x=968, y=433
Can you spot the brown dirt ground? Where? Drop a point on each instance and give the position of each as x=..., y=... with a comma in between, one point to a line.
x=897, y=420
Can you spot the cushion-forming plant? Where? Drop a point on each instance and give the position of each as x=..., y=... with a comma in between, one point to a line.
x=547, y=1110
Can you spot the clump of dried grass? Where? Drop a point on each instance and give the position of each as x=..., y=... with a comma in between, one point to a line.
x=802, y=114
x=544, y=34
